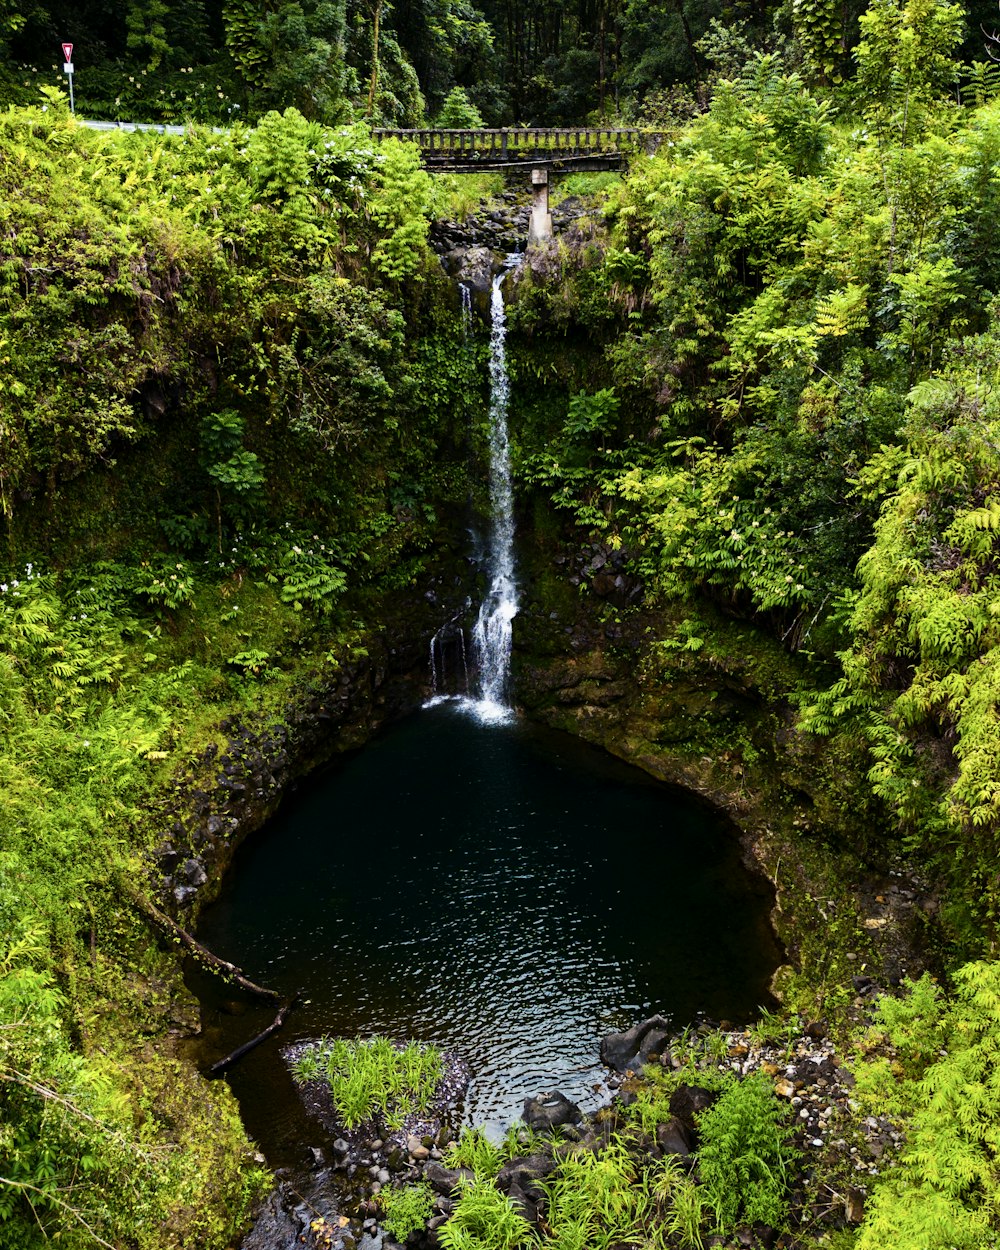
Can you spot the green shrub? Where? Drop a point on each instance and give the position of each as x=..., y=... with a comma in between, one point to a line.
x=941, y=1081
x=458, y=112
x=407, y=1209
x=744, y=1156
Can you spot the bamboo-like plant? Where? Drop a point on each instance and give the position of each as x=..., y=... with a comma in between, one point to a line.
x=373, y=1077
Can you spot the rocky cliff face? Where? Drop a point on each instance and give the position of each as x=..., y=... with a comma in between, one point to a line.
x=712, y=714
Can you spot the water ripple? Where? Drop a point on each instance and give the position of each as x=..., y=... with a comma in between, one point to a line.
x=407, y=894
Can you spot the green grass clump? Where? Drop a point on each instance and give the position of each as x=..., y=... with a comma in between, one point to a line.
x=406, y=1209
x=474, y=1150
x=484, y=1219
x=373, y=1077
x=594, y=1200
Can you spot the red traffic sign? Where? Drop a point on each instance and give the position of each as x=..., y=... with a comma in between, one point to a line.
x=67, y=51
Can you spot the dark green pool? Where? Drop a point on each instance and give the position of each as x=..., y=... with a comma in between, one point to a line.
x=504, y=891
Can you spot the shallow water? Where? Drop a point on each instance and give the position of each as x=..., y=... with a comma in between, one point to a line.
x=504, y=891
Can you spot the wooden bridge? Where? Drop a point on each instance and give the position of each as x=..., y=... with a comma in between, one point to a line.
x=576, y=148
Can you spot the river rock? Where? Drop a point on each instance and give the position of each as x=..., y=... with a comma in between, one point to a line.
x=550, y=1110
x=444, y=1180
x=674, y=1137
x=688, y=1101
x=636, y=1046
x=524, y=1203
x=524, y=1174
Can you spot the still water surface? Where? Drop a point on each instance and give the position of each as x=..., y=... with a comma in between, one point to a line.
x=502, y=890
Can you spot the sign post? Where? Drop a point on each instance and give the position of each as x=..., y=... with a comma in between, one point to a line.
x=68, y=71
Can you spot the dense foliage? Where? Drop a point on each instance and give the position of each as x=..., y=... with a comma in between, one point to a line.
x=939, y=1079
x=797, y=427
x=398, y=61
x=232, y=420
x=217, y=433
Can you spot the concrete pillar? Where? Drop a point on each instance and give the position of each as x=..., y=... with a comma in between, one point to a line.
x=540, y=227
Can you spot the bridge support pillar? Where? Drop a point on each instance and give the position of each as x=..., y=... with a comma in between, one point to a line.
x=540, y=226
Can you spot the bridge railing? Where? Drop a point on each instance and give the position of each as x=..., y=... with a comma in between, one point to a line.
x=523, y=143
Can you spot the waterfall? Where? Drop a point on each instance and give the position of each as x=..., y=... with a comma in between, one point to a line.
x=449, y=638
x=492, y=633
x=465, y=292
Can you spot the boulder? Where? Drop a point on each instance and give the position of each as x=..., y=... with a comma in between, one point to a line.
x=524, y=1203
x=688, y=1101
x=476, y=268
x=674, y=1137
x=524, y=1175
x=444, y=1180
x=550, y=1110
x=637, y=1045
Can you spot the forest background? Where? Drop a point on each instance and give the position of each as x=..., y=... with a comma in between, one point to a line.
x=396, y=61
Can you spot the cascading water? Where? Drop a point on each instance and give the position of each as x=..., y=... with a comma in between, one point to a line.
x=465, y=291
x=493, y=632
x=449, y=663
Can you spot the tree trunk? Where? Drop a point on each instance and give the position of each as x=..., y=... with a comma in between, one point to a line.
x=226, y=970
x=688, y=38
x=218, y=1068
x=376, y=19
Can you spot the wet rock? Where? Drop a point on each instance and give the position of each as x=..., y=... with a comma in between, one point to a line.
x=636, y=1046
x=444, y=1180
x=550, y=1110
x=274, y=1228
x=525, y=1203
x=476, y=268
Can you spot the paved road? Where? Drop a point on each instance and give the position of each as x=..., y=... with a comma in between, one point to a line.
x=133, y=126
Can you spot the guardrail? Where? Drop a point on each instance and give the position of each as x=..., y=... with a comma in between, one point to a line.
x=525, y=145
x=485, y=148
x=152, y=127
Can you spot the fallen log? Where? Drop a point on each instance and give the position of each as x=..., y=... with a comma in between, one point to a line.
x=218, y=1068
x=229, y=972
